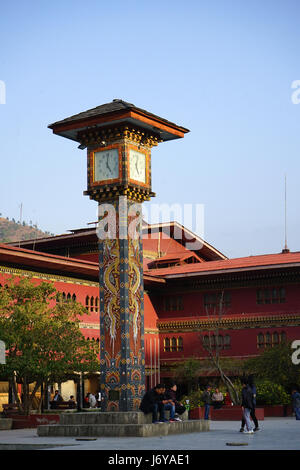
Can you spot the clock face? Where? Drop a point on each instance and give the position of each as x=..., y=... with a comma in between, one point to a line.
x=137, y=166
x=106, y=165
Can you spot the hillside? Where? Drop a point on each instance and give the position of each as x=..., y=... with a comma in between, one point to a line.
x=12, y=231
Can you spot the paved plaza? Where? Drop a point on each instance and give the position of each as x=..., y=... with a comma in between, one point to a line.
x=275, y=434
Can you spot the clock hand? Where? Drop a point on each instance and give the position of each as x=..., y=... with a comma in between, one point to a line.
x=107, y=165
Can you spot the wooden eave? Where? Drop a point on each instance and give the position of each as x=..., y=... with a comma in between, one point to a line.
x=38, y=261
x=70, y=127
x=42, y=262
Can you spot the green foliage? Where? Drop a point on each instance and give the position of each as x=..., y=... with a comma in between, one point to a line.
x=270, y=393
x=195, y=399
x=275, y=364
x=42, y=337
x=188, y=371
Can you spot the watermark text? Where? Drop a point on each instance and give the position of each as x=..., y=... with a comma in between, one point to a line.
x=2, y=92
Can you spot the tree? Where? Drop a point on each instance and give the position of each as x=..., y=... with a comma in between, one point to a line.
x=275, y=364
x=214, y=347
x=189, y=372
x=42, y=336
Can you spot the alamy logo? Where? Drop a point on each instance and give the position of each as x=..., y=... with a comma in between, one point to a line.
x=2, y=92
x=296, y=94
x=2, y=352
x=296, y=354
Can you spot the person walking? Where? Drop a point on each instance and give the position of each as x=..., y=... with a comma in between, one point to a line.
x=296, y=403
x=247, y=406
x=206, y=397
x=252, y=412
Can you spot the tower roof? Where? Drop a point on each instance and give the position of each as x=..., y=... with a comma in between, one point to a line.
x=116, y=112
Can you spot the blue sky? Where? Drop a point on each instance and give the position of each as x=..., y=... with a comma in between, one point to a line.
x=223, y=69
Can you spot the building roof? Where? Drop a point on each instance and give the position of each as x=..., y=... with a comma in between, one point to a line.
x=43, y=262
x=159, y=239
x=248, y=263
x=175, y=258
x=187, y=240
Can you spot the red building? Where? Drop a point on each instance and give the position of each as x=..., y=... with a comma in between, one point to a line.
x=185, y=281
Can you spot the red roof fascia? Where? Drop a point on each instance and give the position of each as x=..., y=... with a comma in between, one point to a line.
x=37, y=259
x=250, y=262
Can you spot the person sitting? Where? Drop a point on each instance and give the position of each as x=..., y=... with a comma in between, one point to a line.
x=154, y=402
x=86, y=403
x=72, y=402
x=217, y=399
x=56, y=400
x=92, y=401
x=171, y=394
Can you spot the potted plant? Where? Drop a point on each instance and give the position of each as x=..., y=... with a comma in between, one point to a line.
x=194, y=404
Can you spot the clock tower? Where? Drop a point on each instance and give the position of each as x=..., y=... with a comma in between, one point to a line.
x=118, y=137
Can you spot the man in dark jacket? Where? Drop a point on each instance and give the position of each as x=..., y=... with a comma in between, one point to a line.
x=252, y=412
x=247, y=406
x=206, y=397
x=152, y=402
x=296, y=403
x=171, y=394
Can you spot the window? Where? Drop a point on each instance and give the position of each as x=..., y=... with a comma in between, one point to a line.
x=227, y=342
x=166, y=345
x=268, y=340
x=214, y=341
x=173, y=344
x=282, y=337
x=65, y=297
x=220, y=343
x=272, y=295
x=92, y=304
x=282, y=295
x=260, y=340
x=173, y=303
x=179, y=344
x=205, y=342
x=275, y=339
x=213, y=299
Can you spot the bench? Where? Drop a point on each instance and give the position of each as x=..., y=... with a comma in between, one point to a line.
x=10, y=408
x=62, y=405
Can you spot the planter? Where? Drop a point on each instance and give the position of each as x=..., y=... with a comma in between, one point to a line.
x=275, y=411
x=33, y=421
x=233, y=413
x=196, y=413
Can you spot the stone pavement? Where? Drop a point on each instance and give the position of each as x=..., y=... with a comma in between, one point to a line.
x=275, y=434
